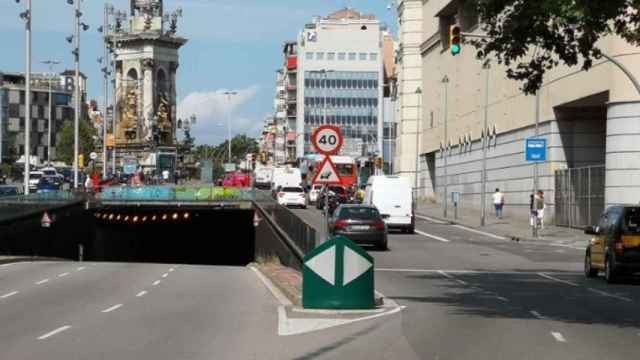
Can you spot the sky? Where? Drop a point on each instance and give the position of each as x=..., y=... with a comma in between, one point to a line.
x=233, y=45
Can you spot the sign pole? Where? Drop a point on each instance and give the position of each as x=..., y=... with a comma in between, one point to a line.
x=536, y=185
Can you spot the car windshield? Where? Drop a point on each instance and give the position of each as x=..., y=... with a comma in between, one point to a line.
x=49, y=172
x=36, y=175
x=292, y=190
x=359, y=213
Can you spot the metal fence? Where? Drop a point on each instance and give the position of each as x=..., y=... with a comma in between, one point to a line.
x=579, y=196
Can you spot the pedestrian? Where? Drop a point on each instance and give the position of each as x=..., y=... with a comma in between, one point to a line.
x=165, y=175
x=532, y=211
x=539, y=207
x=88, y=184
x=498, y=202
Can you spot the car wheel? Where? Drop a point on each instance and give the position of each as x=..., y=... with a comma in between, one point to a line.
x=384, y=246
x=589, y=271
x=411, y=230
x=610, y=271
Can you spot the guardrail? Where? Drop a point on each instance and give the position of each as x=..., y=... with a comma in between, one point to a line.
x=16, y=207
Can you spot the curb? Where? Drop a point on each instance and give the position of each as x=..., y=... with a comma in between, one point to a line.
x=18, y=259
x=290, y=292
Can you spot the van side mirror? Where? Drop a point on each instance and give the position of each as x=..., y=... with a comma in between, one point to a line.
x=591, y=230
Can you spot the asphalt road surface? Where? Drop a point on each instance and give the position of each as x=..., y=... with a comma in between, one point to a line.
x=470, y=295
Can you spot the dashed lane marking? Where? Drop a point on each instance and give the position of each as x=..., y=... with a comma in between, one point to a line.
x=81, y=268
x=156, y=282
x=558, y=336
x=63, y=274
x=43, y=281
x=537, y=315
x=54, y=332
x=444, y=273
x=165, y=275
x=171, y=270
x=501, y=298
x=9, y=294
x=435, y=237
x=599, y=292
x=141, y=293
x=114, y=307
x=558, y=280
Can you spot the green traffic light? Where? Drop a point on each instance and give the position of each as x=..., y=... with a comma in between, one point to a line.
x=455, y=49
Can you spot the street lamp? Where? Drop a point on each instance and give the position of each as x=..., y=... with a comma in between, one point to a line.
x=76, y=55
x=51, y=64
x=104, y=67
x=229, y=94
x=26, y=16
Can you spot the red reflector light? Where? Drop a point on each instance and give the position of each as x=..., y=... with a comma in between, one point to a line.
x=380, y=224
x=341, y=224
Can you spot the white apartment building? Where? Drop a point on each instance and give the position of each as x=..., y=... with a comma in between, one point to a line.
x=589, y=119
x=340, y=81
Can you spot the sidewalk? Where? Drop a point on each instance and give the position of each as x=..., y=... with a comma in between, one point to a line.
x=511, y=228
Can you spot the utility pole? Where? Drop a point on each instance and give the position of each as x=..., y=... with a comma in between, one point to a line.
x=27, y=17
x=485, y=145
x=445, y=82
x=108, y=9
x=229, y=94
x=76, y=121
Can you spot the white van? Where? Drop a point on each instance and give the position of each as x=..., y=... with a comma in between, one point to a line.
x=264, y=176
x=286, y=176
x=393, y=197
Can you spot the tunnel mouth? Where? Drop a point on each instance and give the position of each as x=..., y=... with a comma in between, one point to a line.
x=176, y=235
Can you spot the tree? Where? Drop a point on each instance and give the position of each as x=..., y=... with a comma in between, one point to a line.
x=531, y=37
x=86, y=142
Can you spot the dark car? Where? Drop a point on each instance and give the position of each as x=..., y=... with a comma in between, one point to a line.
x=615, y=247
x=361, y=224
x=9, y=190
x=48, y=184
x=339, y=191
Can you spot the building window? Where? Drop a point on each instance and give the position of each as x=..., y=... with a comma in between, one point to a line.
x=352, y=56
x=319, y=56
x=331, y=56
x=373, y=57
x=14, y=110
x=363, y=56
x=309, y=56
x=341, y=56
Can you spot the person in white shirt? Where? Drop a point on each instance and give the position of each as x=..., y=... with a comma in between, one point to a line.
x=539, y=206
x=165, y=175
x=498, y=202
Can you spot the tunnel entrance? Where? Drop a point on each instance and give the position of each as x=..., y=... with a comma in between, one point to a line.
x=179, y=235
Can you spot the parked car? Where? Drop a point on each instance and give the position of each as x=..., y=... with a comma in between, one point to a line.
x=615, y=246
x=237, y=179
x=292, y=196
x=393, y=197
x=360, y=223
x=9, y=190
x=314, y=192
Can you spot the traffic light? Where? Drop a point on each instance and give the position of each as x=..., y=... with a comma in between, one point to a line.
x=455, y=39
x=81, y=161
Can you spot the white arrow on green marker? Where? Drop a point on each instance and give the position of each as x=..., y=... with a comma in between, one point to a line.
x=324, y=264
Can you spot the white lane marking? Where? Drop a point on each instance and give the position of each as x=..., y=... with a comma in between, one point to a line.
x=444, y=273
x=461, y=282
x=432, y=236
x=156, y=282
x=56, y=331
x=430, y=219
x=502, y=298
x=484, y=233
x=171, y=270
x=454, y=271
x=165, y=275
x=81, y=268
x=282, y=299
x=114, y=307
x=558, y=280
x=599, y=292
x=558, y=336
x=537, y=315
x=7, y=265
x=42, y=281
x=9, y=294
x=63, y=274
x=142, y=293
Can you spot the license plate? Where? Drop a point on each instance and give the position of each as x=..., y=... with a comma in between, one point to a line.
x=360, y=227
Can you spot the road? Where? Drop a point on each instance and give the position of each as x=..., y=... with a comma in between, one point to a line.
x=473, y=296
x=65, y=310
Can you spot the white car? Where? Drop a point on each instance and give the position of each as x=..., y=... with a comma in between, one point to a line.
x=292, y=196
x=313, y=194
x=34, y=179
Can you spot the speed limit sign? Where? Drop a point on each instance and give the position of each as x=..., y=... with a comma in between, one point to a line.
x=327, y=139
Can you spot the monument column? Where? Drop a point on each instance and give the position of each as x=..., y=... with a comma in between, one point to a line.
x=173, y=69
x=148, y=108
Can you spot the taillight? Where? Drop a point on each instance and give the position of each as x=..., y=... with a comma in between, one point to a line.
x=341, y=224
x=379, y=224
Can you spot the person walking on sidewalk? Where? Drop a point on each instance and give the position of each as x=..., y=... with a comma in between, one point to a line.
x=539, y=207
x=498, y=202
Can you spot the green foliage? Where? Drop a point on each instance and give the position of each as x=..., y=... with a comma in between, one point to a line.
x=64, y=150
x=240, y=146
x=531, y=37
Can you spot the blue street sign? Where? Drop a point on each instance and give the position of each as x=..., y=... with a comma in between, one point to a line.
x=536, y=149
